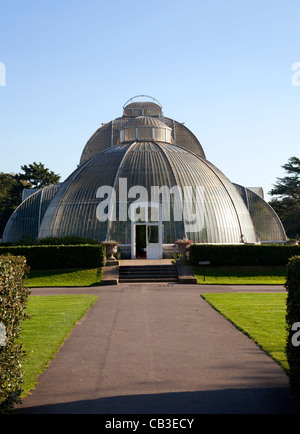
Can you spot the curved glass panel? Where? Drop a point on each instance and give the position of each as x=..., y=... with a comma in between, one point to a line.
x=224, y=217
x=26, y=219
x=144, y=133
x=184, y=138
x=160, y=134
x=74, y=209
x=267, y=224
x=105, y=137
x=145, y=166
x=130, y=134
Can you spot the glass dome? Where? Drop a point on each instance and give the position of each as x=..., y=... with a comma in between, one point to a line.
x=108, y=134
x=224, y=219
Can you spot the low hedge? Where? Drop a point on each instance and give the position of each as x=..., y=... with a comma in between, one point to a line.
x=293, y=323
x=73, y=240
x=13, y=303
x=242, y=255
x=57, y=257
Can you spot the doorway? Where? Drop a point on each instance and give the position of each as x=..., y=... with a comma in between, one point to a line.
x=141, y=241
x=146, y=235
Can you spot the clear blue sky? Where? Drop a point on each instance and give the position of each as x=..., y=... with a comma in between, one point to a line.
x=222, y=67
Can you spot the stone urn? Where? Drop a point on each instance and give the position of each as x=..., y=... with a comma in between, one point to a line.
x=183, y=246
x=111, y=249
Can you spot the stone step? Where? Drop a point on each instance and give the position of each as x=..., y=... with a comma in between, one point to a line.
x=149, y=267
x=148, y=273
x=141, y=280
x=147, y=276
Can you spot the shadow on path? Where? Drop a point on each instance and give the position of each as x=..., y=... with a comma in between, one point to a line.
x=228, y=401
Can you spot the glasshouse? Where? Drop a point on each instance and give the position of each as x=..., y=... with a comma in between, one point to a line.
x=144, y=181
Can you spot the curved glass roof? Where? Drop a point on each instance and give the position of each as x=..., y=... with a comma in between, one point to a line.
x=108, y=134
x=145, y=121
x=26, y=219
x=73, y=211
x=267, y=224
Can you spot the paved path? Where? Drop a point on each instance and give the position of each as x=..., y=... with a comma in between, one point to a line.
x=158, y=349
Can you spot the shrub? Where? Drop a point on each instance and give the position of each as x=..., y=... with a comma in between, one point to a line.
x=292, y=317
x=13, y=298
x=57, y=257
x=73, y=240
x=242, y=255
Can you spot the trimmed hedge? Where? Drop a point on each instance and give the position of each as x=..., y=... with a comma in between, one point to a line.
x=64, y=241
x=73, y=240
x=57, y=257
x=241, y=255
x=293, y=318
x=13, y=303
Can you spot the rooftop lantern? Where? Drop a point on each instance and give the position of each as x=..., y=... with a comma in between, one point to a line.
x=142, y=105
x=143, y=129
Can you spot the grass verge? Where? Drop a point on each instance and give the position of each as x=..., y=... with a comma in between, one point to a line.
x=52, y=319
x=251, y=275
x=259, y=316
x=64, y=278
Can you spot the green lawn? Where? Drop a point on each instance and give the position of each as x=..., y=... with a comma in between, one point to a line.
x=64, y=277
x=52, y=319
x=254, y=275
x=260, y=316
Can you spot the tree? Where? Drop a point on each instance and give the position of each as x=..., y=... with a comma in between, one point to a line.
x=287, y=202
x=38, y=176
x=10, y=197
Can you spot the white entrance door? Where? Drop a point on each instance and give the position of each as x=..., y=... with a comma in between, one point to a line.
x=154, y=246
x=153, y=233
